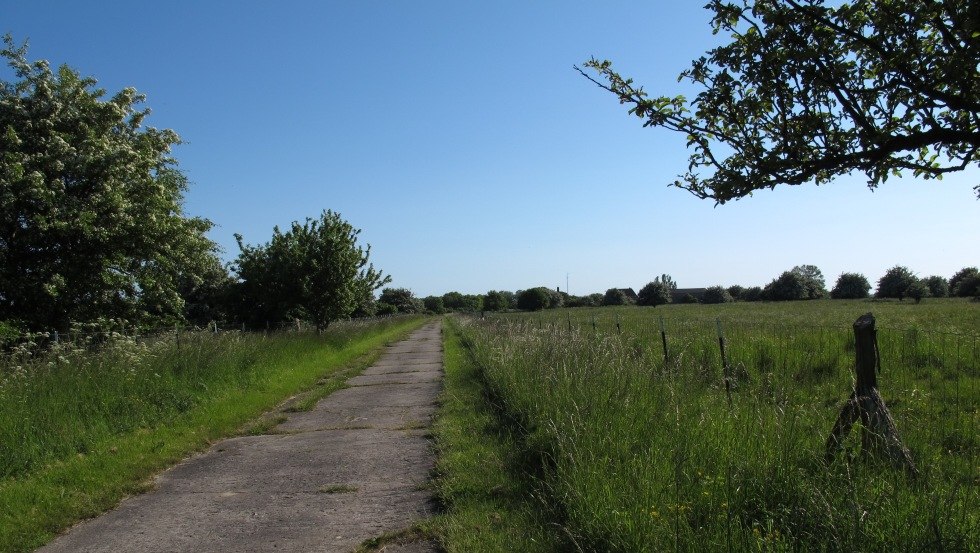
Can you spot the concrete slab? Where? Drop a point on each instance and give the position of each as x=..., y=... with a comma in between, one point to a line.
x=351, y=469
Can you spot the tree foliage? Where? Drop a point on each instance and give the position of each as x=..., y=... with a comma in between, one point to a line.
x=313, y=271
x=896, y=283
x=615, y=296
x=736, y=291
x=657, y=292
x=534, y=299
x=462, y=303
x=851, y=286
x=403, y=299
x=805, y=92
x=965, y=283
x=752, y=293
x=496, y=301
x=716, y=294
x=938, y=286
x=433, y=304
x=803, y=282
x=91, y=204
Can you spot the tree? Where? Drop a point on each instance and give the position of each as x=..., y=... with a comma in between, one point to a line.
x=965, y=283
x=752, y=293
x=850, y=286
x=614, y=296
x=938, y=287
x=896, y=283
x=91, y=204
x=433, y=304
x=789, y=286
x=736, y=291
x=402, y=299
x=657, y=292
x=806, y=92
x=803, y=282
x=313, y=271
x=533, y=299
x=208, y=296
x=917, y=290
x=716, y=294
x=654, y=293
x=464, y=303
x=812, y=280
x=495, y=301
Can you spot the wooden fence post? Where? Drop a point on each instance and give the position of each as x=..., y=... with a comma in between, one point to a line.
x=879, y=436
x=724, y=363
x=663, y=338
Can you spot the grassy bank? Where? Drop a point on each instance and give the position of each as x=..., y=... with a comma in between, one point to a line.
x=80, y=430
x=485, y=486
x=642, y=453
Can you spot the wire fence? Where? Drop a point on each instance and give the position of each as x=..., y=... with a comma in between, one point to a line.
x=929, y=379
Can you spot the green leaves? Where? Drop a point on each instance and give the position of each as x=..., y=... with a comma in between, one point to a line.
x=314, y=271
x=805, y=92
x=91, y=220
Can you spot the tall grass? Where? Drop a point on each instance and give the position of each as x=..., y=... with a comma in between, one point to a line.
x=644, y=453
x=80, y=428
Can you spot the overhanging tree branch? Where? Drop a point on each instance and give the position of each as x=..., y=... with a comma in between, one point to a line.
x=807, y=93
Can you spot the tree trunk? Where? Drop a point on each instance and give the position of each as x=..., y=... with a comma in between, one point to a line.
x=879, y=436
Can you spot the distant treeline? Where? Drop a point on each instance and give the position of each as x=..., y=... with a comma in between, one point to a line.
x=803, y=282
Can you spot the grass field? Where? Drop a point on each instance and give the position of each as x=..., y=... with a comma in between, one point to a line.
x=79, y=430
x=640, y=451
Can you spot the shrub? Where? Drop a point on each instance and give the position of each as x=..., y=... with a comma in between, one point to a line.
x=938, y=286
x=917, y=290
x=716, y=294
x=896, y=283
x=654, y=293
x=851, y=286
x=788, y=287
x=495, y=301
x=433, y=304
x=736, y=292
x=689, y=298
x=403, y=300
x=965, y=283
x=533, y=299
x=752, y=293
x=614, y=296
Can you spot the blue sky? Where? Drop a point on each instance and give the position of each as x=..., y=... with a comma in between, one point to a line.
x=458, y=137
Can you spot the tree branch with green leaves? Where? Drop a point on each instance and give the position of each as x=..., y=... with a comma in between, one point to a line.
x=805, y=92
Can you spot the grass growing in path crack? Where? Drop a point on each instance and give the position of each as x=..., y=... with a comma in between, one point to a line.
x=481, y=480
x=79, y=432
x=337, y=488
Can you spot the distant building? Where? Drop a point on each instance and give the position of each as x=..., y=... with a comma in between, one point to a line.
x=678, y=294
x=630, y=294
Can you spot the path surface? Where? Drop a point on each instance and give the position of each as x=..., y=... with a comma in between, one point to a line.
x=325, y=480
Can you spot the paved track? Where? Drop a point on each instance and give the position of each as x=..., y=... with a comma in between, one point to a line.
x=325, y=480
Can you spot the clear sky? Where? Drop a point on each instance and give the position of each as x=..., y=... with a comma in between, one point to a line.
x=458, y=137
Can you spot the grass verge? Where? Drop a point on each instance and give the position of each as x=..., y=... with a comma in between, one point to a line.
x=220, y=388
x=482, y=481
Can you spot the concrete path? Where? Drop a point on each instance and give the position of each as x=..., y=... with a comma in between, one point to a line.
x=351, y=469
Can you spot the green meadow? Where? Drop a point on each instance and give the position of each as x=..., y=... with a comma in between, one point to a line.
x=632, y=448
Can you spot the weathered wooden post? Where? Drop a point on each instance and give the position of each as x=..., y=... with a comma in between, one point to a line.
x=724, y=363
x=663, y=338
x=618, y=327
x=879, y=436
